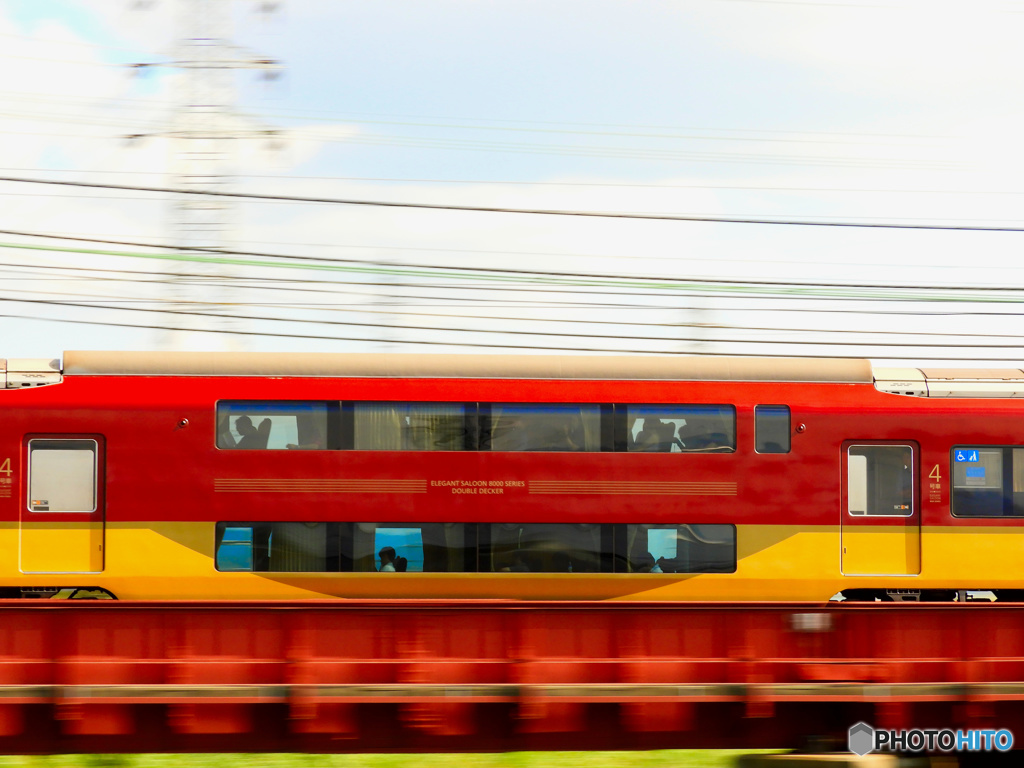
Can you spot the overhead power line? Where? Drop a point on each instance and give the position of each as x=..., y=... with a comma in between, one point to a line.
x=300, y=285
x=112, y=301
x=534, y=333
x=524, y=211
x=613, y=280
x=478, y=345
x=596, y=281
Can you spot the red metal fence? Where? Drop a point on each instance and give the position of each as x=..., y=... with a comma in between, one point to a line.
x=446, y=676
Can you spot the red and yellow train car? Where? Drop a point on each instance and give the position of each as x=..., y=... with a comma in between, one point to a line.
x=284, y=476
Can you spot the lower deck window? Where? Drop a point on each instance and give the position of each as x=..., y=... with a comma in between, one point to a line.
x=473, y=548
x=547, y=548
x=682, y=548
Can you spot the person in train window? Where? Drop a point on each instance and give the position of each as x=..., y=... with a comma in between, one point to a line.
x=390, y=562
x=657, y=435
x=646, y=563
x=387, y=560
x=252, y=437
x=647, y=439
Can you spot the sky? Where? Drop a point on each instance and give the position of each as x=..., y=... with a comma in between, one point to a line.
x=889, y=113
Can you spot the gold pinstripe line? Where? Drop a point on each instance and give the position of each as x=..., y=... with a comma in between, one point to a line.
x=317, y=482
x=288, y=485
x=600, y=484
x=631, y=487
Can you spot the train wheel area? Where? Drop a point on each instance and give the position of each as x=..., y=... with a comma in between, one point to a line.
x=929, y=596
x=56, y=593
x=446, y=676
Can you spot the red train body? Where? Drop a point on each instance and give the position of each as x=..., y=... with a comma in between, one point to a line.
x=134, y=476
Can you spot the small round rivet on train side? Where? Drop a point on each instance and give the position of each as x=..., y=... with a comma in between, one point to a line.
x=801, y=427
x=182, y=423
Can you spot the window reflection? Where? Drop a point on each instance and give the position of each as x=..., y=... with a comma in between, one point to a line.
x=546, y=548
x=410, y=427
x=542, y=427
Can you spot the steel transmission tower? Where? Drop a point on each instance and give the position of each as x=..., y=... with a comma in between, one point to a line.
x=204, y=130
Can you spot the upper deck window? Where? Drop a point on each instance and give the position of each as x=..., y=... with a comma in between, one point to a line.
x=409, y=426
x=771, y=429
x=272, y=425
x=528, y=427
x=678, y=429
x=541, y=427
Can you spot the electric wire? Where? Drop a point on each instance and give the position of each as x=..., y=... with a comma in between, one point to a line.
x=478, y=345
x=521, y=211
x=300, y=285
x=509, y=332
x=591, y=279
x=398, y=312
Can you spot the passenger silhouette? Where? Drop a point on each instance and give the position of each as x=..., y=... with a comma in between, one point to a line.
x=390, y=562
x=387, y=560
x=252, y=437
x=657, y=435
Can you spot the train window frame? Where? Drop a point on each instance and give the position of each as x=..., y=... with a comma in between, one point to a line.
x=43, y=445
x=854, y=471
x=763, y=424
x=1010, y=480
x=603, y=427
x=324, y=436
x=477, y=548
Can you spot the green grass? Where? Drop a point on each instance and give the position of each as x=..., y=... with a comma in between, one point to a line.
x=656, y=759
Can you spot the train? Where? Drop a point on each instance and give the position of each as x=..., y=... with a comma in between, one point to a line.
x=291, y=476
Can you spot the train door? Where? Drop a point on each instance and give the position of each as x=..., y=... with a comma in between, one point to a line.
x=881, y=517
x=62, y=512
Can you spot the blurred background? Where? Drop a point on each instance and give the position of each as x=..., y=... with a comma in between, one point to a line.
x=725, y=177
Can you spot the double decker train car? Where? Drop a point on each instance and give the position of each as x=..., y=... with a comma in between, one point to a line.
x=290, y=476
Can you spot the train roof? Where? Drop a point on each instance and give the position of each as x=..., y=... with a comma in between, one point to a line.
x=919, y=382
x=571, y=367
